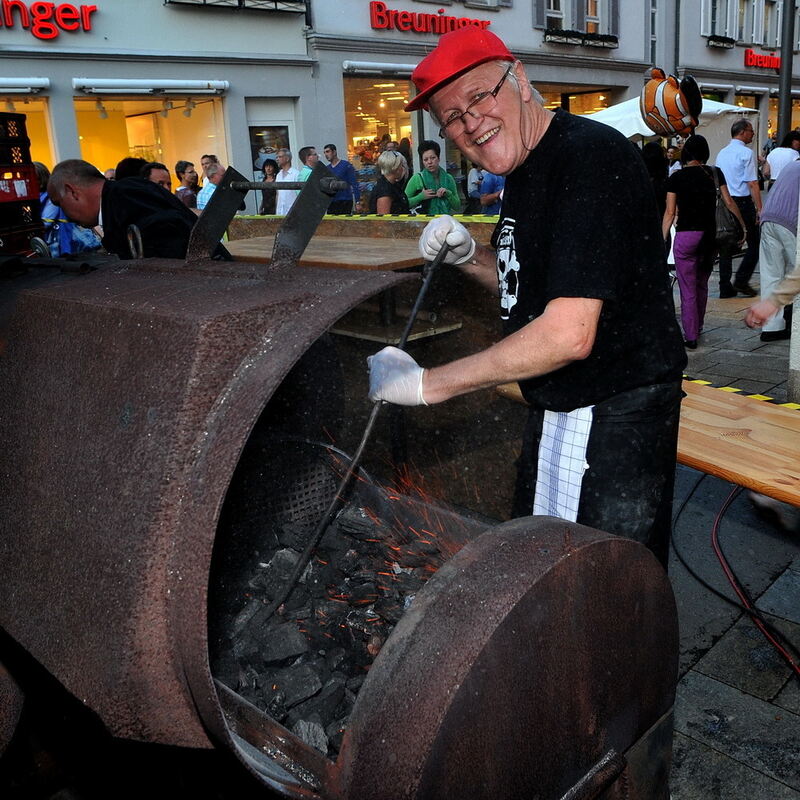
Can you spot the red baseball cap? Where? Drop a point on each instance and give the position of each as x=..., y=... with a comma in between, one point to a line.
x=457, y=52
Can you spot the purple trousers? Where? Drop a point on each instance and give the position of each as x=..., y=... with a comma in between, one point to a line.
x=694, y=261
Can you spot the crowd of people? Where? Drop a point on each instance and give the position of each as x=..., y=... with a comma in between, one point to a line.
x=688, y=191
x=397, y=191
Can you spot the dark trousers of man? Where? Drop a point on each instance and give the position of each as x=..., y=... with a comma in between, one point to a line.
x=627, y=489
x=750, y=259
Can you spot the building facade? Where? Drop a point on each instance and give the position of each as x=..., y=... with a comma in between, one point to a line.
x=174, y=79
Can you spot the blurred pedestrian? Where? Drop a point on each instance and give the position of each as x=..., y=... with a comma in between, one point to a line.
x=433, y=190
x=388, y=196
x=691, y=194
x=268, y=198
x=189, y=180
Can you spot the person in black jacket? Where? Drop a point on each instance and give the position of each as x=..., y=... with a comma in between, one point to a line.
x=87, y=198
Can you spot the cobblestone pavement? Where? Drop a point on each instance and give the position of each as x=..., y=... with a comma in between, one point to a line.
x=737, y=720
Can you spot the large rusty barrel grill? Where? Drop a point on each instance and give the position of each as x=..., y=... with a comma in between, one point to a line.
x=539, y=661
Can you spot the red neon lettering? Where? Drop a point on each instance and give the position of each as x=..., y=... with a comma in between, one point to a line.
x=86, y=13
x=377, y=15
x=382, y=18
x=42, y=15
x=9, y=6
x=68, y=17
x=46, y=20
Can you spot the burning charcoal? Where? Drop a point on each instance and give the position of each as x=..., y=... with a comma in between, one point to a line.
x=248, y=680
x=330, y=608
x=354, y=683
x=282, y=642
x=357, y=523
x=365, y=593
x=246, y=614
x=312, y=733
x=318, y=576
x=334, y=540
x=335, y=733
x=294, y=536
x=297, y=600
x=335, y=657
x=278, y=571
x=374, y=645
x=347, y=562
x=323, y=704
x=294, y=684
x=345, y=708
x=409, y=559
x=408, y=584
x=389, y=609
x=246, y=646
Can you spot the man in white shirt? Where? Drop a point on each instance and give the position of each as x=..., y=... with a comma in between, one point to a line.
x=286, y=197
x=738, y=163
x=214, y=175
x=779, y=157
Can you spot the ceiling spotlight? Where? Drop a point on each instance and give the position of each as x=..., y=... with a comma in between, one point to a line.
x=166, y=107
x=10, y=105
x=190, y=104
x=101, y=109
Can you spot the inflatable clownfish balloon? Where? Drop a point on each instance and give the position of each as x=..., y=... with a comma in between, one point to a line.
x=670, y=108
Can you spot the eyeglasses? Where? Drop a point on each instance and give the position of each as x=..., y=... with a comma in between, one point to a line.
x=454, y=125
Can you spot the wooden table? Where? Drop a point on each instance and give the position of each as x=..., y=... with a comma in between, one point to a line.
x=384, y=326
x=749, y=442
x=343, y=252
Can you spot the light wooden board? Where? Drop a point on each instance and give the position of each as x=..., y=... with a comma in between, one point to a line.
x=746, y=441
x=344, y=252
x=749, y=442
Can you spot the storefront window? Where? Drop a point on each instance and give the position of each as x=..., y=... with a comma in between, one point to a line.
x=36, y=126
x=773, y=115
x=587, y=103
x=373, y=116
x=165, y=130
x=746, y=100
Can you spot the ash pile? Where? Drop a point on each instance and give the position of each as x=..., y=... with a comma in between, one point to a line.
x=304, y=666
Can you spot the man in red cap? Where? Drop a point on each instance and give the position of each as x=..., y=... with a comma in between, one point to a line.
x=578, y=263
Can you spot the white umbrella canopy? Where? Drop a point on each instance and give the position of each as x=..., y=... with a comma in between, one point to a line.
x=627, y=118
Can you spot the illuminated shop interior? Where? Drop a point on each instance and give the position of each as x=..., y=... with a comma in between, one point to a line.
x=374, y=108
x=36, y=124
x=165, y=129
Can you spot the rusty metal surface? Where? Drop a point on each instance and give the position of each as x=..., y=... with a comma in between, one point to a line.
x=126, y=399
x=535, y=650
x=11, y=700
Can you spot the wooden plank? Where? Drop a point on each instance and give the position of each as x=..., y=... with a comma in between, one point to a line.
x=343, y=252
x=749, y=442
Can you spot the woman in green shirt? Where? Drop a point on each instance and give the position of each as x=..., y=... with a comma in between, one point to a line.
x=432, y=188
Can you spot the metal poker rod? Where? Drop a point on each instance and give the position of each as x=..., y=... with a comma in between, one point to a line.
x=342, y=491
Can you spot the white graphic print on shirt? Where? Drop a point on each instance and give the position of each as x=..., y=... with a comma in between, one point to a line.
x=507, y=268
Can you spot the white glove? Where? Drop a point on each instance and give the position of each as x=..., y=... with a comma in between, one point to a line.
x=395, y=377
x=446, y=229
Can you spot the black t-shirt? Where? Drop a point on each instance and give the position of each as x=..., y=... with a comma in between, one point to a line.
x=385, y=188
x=579, y=219
x=696, y=197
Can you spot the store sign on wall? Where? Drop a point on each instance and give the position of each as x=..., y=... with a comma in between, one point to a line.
x=46, y=20
x=383, y=18
x=753, y=59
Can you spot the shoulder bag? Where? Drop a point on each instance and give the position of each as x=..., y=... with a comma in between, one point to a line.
x=728, y=230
